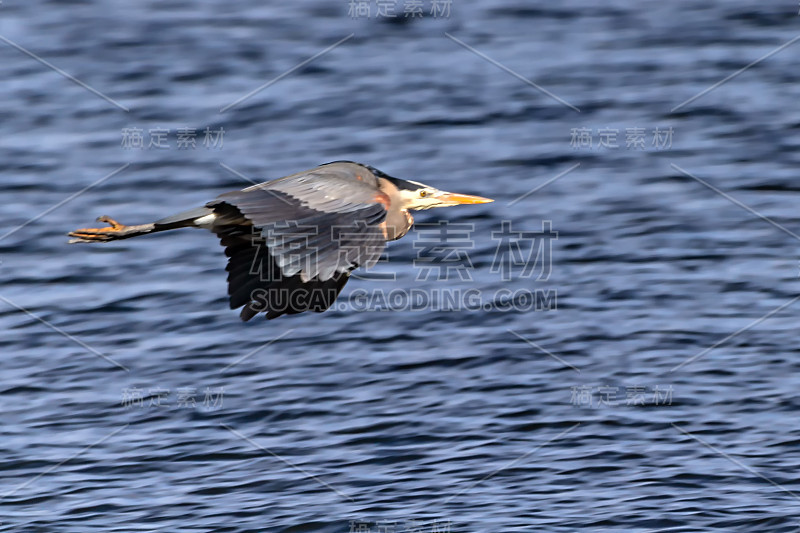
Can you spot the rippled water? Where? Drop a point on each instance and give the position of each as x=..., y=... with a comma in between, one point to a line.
x=627, y=406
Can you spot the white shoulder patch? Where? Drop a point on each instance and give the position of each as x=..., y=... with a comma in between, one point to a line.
x=205, y=221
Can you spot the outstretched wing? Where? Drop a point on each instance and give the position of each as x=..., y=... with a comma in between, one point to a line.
x=298, y=238
x=256, y=282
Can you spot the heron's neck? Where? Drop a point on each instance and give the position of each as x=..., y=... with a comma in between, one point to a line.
x=398, y=221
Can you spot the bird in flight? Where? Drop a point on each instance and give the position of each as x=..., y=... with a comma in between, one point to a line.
x=292, y=242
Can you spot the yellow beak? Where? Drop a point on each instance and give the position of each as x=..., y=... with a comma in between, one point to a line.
x=457, y=199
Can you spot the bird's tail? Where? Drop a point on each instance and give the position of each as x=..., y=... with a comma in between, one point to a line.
x=117, y=231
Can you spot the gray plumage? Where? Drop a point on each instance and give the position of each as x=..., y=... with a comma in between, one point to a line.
x=292, y=242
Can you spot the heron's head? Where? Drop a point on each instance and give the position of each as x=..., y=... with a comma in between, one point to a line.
x=417, y=196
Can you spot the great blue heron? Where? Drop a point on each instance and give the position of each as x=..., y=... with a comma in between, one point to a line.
x=292, y=242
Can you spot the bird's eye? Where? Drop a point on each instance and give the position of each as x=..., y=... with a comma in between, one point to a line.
x=423, y=194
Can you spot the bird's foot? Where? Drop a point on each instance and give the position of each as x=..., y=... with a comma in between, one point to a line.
x=115, y=231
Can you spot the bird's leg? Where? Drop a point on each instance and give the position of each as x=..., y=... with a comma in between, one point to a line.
x=115, y=232
x=115, y=226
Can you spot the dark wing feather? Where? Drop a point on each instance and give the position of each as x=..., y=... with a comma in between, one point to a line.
x=256, y=282
x=307, y=232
